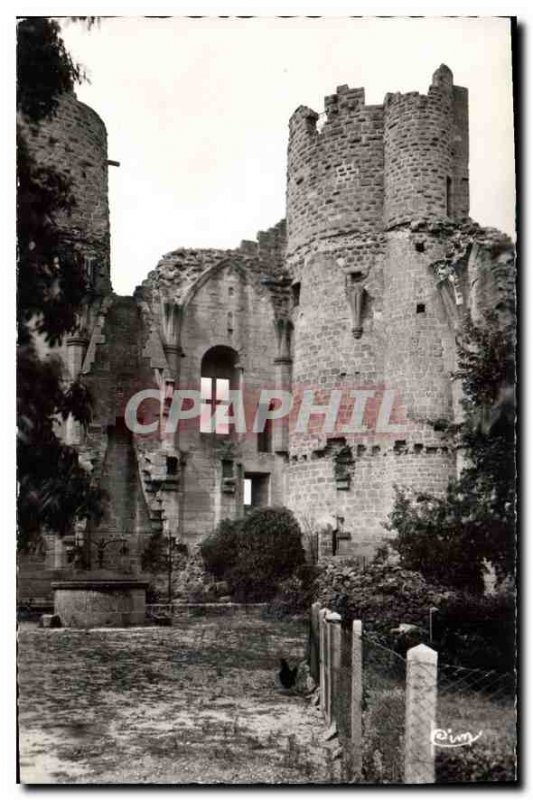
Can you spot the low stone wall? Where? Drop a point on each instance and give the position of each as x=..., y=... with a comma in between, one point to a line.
x=92, y=604
x=177, y=609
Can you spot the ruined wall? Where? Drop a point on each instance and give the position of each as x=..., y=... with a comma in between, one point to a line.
x=364, y=287
x=222, y=303
x=113, y=373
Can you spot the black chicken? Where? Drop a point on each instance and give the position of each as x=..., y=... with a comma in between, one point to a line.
x=287, y=675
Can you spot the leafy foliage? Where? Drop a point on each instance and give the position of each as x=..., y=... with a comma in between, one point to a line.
x=382, y=594
x=384, y=718
x=220, y=550
x=477, y=631
x=44, y=68
x=54, y=489
x=451, y=538
x=256, y=553
x=296, y=593
x=486, y=761
x=51, y=283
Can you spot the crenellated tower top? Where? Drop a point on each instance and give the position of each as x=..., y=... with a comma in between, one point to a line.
x=369, y=168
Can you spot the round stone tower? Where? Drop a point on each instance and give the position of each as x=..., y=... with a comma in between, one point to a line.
x=74, y=141
x=366, y=313
x=426, y=153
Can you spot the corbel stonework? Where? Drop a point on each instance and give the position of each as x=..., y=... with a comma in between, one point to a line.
x=97, y=336
x=171, y=317
x=344, y=462
x=227, y=451
x=449, y=287
x=284, y=329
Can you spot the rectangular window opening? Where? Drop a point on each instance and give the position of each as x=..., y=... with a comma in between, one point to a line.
x=227, y=468
x=172, y=465
x=448, y=197
x=256, y=491
x=247, y=492
x=264, y=437
x=295, y=289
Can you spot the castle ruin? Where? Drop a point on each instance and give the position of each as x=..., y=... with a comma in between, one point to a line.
x=363, y=288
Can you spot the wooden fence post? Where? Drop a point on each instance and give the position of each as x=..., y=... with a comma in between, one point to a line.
x=323, y=659
x=333, y=624
x=357, y=698
x=420, y=712
x=314, y=642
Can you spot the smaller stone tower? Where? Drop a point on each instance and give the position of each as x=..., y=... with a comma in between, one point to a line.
x=426, y=153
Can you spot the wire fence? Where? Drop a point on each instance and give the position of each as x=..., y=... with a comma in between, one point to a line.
x=411, y=720
x=341, y=690
x=475, y=734
x=383, y=713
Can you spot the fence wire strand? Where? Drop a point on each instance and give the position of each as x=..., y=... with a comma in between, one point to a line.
x=384, y=673
x=475, y=738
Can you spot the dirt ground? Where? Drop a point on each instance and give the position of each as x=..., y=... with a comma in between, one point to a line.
x=195, y=703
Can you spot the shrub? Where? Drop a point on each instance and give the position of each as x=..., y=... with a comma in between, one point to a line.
x=469, y=630
x=296, y=593
x=490, y=762
x=220, y=551
x=255, y=554
x=384, y=722
x=190, y=582
x=383, y=594
x=476, y=631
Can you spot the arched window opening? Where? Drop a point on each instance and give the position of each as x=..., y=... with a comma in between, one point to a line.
x=218, y=377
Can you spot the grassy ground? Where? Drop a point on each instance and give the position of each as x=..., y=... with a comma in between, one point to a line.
x=196, y=703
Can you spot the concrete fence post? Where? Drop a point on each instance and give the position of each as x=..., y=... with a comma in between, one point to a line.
x=333, y=625
x=356, y=720
x=323, y=659
x=420, y=713
x=314, y=642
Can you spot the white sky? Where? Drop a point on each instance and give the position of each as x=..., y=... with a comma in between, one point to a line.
x=197, y=114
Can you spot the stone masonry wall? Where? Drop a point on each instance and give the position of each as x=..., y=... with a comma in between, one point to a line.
x=75, y=142
x=426, y=152
x=250, y=333
x=335, y=176
x=355, y=187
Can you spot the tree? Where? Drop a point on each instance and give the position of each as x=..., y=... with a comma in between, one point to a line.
x=450, y=538
x=54, y=489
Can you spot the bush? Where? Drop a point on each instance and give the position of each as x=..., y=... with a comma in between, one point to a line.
x=382, y=594
x=220, y=551
x=490, y=762
x=469, y=630
x=476, y=631
x=255, y=554
x=296, y=593
x=190, y=582
x=384, y=722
